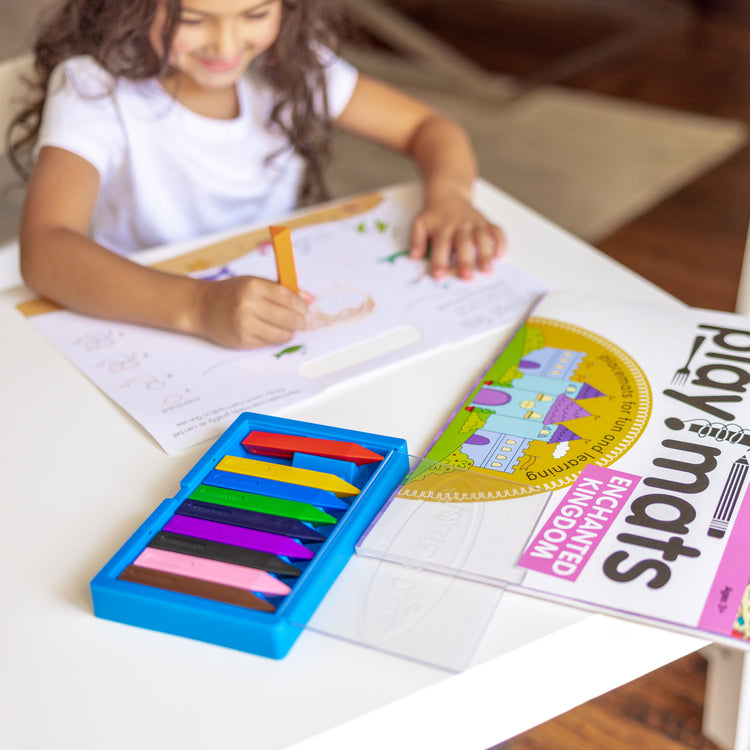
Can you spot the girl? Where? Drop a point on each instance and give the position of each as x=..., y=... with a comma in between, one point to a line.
x=161, y=120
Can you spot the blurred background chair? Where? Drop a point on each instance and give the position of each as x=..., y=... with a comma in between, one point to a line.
x=742, y=305
x=12, y=72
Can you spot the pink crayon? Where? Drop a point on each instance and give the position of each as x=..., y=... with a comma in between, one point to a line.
x=213, y=571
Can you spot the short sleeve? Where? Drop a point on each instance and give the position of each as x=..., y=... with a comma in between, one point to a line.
x=341, y=78
x=80, y=114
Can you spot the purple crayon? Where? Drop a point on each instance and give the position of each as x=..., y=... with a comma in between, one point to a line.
x=238, y=536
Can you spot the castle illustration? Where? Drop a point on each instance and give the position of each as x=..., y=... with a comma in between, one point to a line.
x=533, y=408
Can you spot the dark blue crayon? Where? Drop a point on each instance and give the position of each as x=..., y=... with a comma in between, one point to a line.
x=249, y=519
x=346, y=470
x=273, y=488
x=250, y=558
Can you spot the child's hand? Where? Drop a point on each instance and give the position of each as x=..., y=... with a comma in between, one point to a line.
x=247, y=311
x=455, y=234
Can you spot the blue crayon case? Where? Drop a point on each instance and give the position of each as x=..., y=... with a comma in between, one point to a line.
x=304, y=546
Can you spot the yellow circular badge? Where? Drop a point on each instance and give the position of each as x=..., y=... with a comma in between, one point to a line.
x=557, y=398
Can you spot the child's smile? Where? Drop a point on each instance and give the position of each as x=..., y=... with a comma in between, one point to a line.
x=221, y=66
x=214, y=43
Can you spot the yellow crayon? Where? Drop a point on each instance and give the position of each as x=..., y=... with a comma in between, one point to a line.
x=281, y=238
x=291, y=474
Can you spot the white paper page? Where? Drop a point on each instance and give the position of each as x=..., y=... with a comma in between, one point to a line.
x=372, y=306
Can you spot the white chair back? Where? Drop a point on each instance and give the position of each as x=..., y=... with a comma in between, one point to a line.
x=12, y=89
x=742, y=306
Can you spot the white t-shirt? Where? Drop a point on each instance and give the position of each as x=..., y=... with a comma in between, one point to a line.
x=166, y=173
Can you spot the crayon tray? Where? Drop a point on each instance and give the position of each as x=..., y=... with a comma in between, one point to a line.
x=224, y=521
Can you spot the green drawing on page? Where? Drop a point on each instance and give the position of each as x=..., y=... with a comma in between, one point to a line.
x=289, y=350
x=392, y=258
x=380, y=226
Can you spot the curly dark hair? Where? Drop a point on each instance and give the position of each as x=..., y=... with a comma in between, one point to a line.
x=116, y=35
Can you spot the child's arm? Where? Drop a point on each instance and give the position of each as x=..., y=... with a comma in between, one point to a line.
x=448, y=224
x=59, y=261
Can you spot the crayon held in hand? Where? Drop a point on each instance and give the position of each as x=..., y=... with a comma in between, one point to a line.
x=281, y=238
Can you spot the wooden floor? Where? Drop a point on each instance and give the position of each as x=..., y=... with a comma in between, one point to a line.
x=691, y=244
x=661, y=711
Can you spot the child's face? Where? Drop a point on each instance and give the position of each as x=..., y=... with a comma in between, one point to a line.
x=216, y=40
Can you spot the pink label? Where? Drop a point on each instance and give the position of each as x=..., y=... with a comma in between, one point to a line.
x=568, y=539
x=725, y=595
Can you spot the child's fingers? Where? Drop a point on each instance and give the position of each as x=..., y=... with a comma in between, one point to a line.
x=490, y=243
x=465, y=251
x=465, y=244
x=476, y=248
x=297, y=302
x=260, y=334
x=265, y=333
x=418, y=242
x=272, y=323
x=245, y=312
x=498, y=237
x=441, y=247
x=277, y=316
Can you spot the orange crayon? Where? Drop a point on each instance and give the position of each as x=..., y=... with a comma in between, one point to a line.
x=281, y=238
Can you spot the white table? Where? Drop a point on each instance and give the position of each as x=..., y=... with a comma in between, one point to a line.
x=78, y=476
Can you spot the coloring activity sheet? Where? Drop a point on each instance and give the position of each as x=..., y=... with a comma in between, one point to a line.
x=371, y=306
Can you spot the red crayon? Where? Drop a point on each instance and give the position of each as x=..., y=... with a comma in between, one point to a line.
x=285, y=446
